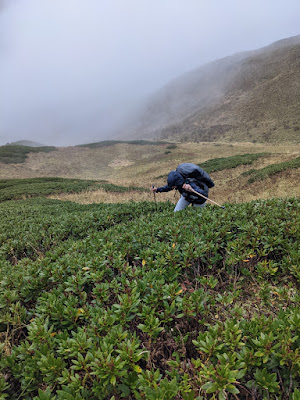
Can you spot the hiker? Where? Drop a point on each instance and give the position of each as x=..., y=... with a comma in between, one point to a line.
x=185, y=179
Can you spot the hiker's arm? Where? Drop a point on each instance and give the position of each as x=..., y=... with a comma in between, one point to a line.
x=165, y=188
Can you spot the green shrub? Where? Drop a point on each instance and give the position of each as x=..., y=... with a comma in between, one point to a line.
x=261, y=174
x=129, y=301
x=219, y=164
x=15, y=154
x=13, y=189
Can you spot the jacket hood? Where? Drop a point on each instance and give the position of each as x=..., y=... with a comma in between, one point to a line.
x=175, y=179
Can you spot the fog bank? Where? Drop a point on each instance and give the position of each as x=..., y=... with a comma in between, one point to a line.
x=72, y=71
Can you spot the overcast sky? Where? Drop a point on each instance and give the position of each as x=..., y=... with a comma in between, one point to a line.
x=71, y=69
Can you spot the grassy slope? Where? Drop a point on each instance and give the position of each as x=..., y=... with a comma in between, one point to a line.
x=70, y=273
x=108, y=143
x=261, y=103
x=141, y=165
x=15, y=189
x=15, y=154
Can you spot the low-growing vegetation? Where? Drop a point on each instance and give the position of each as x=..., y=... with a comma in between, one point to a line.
x=16, y=154
x=219, y=164
x=12, y=189
x=171, y=146
x=132, y=301
x=263, y=173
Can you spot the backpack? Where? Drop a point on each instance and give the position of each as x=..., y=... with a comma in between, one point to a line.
x=194, y=172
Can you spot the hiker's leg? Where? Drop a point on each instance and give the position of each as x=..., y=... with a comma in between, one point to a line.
x=199, y=205
x=181, y=204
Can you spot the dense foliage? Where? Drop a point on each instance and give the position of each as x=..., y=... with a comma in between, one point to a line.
x=263, y=173
x=133, y=301
x=13, y=189
x=15, y=154
x=219, y=164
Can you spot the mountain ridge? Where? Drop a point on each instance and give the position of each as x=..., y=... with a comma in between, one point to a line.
x=248, y=96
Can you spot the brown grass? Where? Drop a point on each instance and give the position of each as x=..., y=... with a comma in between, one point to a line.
x=100, y=196
x=259, y=102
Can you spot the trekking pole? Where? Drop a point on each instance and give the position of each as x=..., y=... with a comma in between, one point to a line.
x=154, y=198
x=199, y=194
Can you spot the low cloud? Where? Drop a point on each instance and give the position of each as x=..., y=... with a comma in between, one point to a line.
x=72, y=71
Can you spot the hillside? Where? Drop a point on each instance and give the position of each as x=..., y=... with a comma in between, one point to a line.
x=141, y=165
x=251, y=96
x=131, y=301
x=28, y=143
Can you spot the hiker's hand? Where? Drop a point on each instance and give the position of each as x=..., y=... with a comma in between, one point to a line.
x=153, y=189
x=187, y=187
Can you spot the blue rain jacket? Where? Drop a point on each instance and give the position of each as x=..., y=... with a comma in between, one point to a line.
x=176, y=179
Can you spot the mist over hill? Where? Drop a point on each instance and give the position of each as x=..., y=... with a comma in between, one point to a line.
x=249, y=96
x=28, y=143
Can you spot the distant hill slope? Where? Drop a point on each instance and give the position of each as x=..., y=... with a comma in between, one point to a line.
x=251, y=96
x=28, y=143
